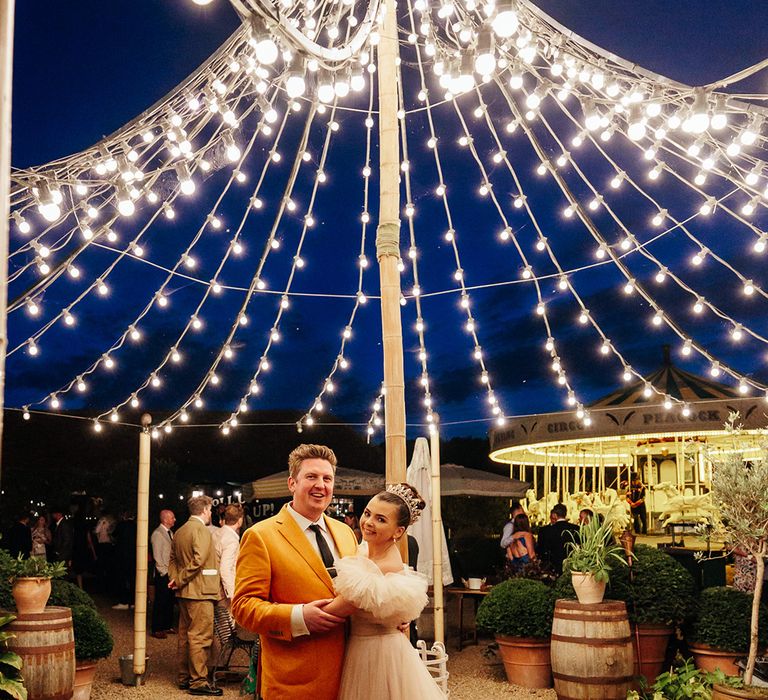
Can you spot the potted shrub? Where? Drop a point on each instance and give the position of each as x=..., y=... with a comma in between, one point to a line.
x=660, y=594
x=589, y=560
x=31, y=582
x=720, y=630
x=738, y=491
x=519, y=613
x=93, y=641
x=11, y=681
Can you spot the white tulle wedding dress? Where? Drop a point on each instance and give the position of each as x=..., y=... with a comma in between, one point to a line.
x=380, y=663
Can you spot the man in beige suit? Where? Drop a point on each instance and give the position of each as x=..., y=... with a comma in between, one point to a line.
x=284, y=580
x=193, y=573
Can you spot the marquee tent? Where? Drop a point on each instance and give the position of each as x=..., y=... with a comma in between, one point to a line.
x=455, y=480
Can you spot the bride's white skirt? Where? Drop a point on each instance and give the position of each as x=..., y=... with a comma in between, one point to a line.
x=385, y=667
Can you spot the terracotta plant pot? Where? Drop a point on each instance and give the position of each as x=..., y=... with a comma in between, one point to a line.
x=526, y=661
x=723, y=692
x=649, y=658
x=588, y=591
x=85, y=670
x=708, y=658
x=31, y=594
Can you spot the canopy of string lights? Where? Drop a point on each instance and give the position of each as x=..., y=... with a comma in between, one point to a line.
x=519, y=141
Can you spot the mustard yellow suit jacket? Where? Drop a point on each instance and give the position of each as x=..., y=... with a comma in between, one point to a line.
x=277, y=568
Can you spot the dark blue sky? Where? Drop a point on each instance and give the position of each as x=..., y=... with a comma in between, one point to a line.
x=84, y=69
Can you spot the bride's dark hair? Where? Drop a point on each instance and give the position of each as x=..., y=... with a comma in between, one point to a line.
x=403, y=511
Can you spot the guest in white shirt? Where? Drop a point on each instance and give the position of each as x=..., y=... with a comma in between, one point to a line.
x=162, y=608
x=227, y=542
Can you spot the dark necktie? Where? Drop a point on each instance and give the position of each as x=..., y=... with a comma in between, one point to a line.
x=325, y=550
x=170, y=534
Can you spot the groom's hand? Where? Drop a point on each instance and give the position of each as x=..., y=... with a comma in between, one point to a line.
x=318, y=620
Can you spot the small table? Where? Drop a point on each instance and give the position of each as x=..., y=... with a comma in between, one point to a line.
x=477, y=595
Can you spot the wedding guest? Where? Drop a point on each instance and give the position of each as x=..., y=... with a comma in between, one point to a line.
x=41, y=537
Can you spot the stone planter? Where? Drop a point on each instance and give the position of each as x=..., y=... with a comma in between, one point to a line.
x=588, y=591
x=526, y=661
x=708, y=658
x=85, y=670
x=31, y=594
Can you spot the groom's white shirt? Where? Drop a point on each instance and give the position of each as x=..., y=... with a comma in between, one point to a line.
x=298, y=626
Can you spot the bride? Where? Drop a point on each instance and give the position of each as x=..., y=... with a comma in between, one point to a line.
x=379, y=592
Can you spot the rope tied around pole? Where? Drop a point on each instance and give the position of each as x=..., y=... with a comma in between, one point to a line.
x=388, y=239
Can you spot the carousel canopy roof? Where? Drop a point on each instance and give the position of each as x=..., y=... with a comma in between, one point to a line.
x=631, y=420
x=670, y=380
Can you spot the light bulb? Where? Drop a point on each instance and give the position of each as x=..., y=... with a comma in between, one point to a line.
x=505, y=22
x=266, y=51
x=50, y=211
x=636, y=123
x=295, y=85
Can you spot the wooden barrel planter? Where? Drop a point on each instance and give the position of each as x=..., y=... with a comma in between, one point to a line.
x=46, y=644
x=592, y=655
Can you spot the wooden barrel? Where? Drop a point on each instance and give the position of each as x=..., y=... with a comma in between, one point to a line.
x=592, y=655
x=46, y=644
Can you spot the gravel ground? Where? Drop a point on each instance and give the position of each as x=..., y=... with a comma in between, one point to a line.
x=471, y=675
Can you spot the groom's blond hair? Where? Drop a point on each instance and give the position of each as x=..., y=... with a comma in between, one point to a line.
x=307, y=451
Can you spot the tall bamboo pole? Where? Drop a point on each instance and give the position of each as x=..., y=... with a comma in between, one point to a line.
x=6, y=82
x=437, y=536
x=142, y=539
x=388, y=250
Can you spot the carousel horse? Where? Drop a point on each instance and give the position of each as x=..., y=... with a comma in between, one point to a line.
x=685, y=508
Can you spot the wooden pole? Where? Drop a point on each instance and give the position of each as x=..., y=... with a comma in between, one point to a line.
x=6, y=83
x=437, y=536
x=388, y=251
x=142, y=544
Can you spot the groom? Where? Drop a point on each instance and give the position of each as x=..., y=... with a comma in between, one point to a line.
x=283, y=583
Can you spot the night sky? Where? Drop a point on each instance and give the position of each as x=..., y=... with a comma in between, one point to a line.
x=84, y=69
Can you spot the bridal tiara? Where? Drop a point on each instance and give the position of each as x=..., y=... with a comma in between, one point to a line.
x=406, y=494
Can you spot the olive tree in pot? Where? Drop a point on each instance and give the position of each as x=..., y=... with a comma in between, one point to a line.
x=589, y=560
x=93, y=641
x=660, y=594
x=31, y=582
x=720, y=630
x=738, y=490
x=519, y=613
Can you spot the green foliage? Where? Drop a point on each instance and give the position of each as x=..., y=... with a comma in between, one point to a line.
x=723, y=620
x=592, y=551
x=35, y=567
x=67, y=595
x=658, y=590
x=6, y=566
x=685, y=681
x=738, y=490
x=93, y=640
x=11, y=681
x=518, y=608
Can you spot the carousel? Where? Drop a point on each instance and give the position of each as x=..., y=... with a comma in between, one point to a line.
x=587, y=461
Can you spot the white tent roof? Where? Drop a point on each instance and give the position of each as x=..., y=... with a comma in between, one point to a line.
x=455, y=481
